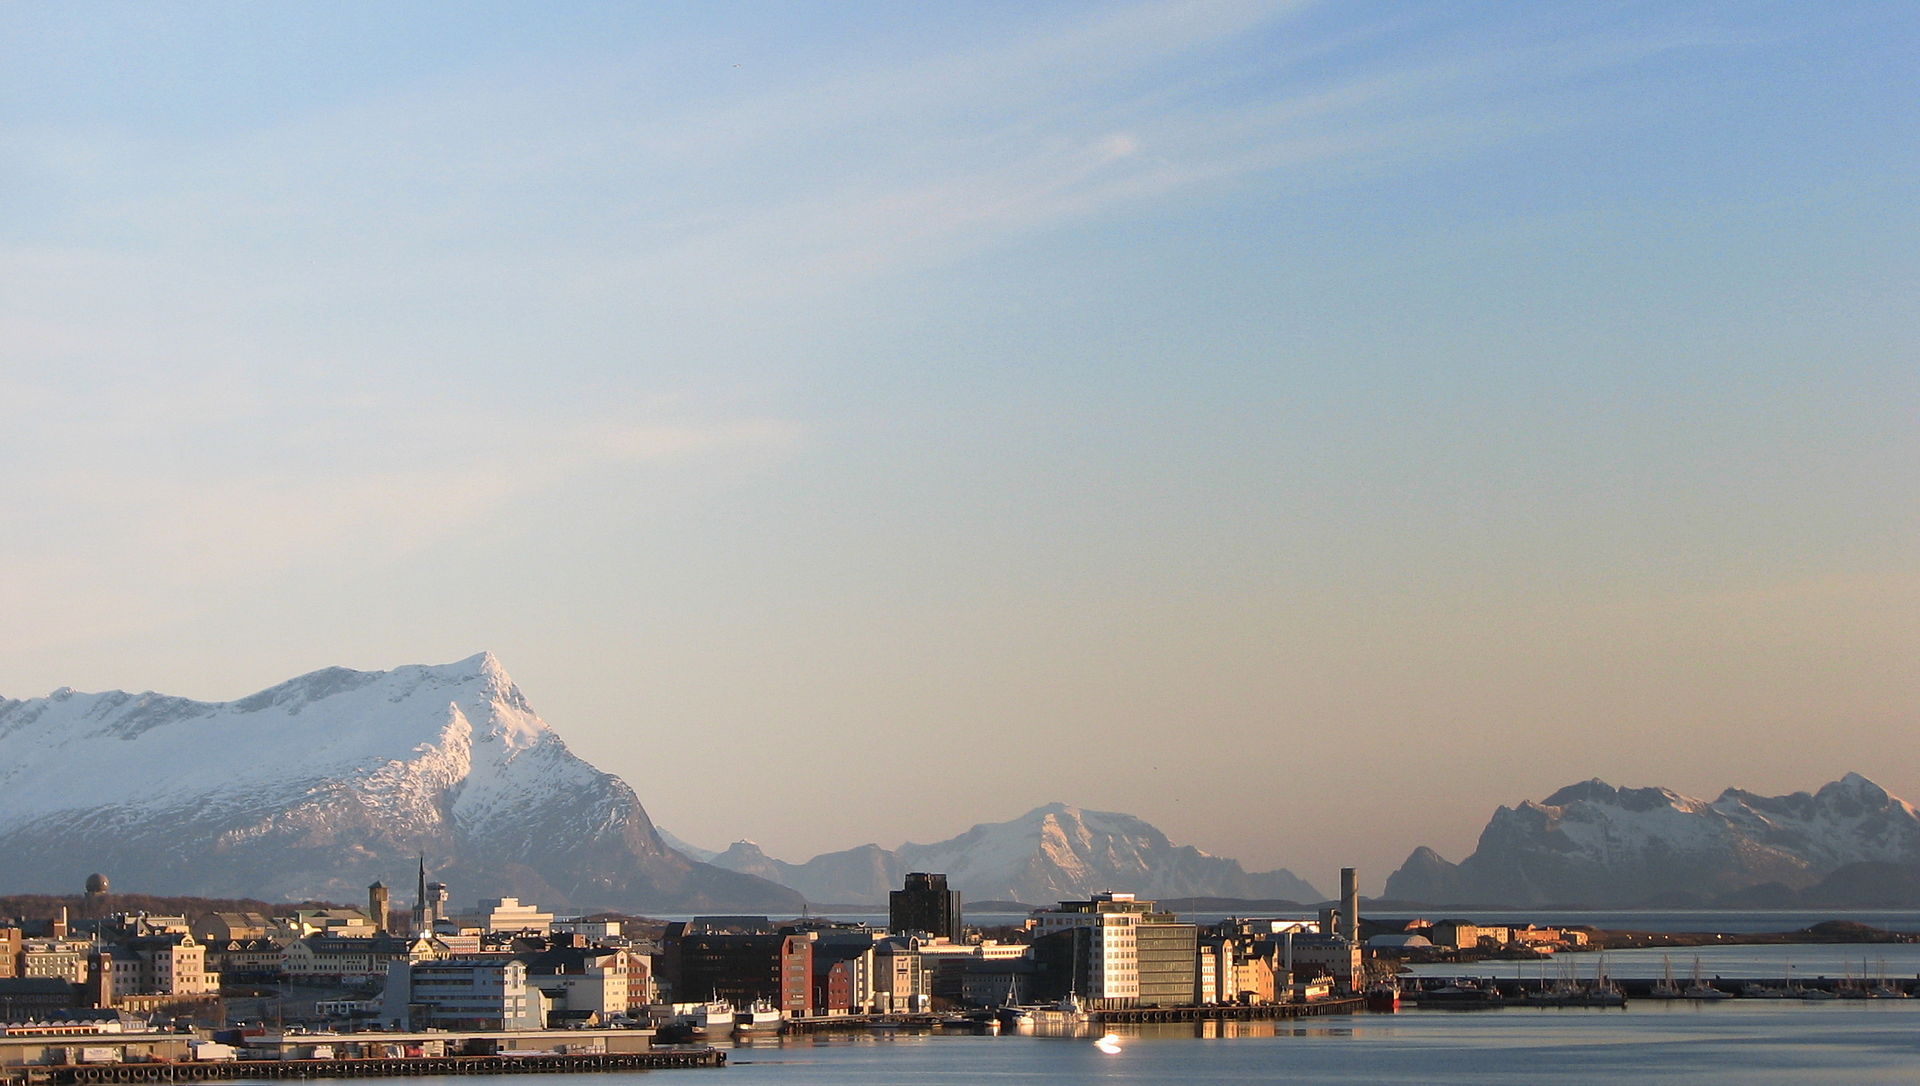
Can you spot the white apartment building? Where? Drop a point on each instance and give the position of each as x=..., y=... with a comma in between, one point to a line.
x=508, y=914
x=463, y=993
x=172, y=964
x=1111, y=968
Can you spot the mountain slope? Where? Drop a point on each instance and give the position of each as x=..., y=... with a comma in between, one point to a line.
x=1593, y=844
x=1053, y=853
x=322, y=784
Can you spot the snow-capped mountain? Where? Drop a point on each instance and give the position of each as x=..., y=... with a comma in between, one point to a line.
x=323, y=784
x=1593, y=844
x=1053, y=853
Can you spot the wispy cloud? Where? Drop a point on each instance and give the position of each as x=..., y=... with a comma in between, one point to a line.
x=239, y=350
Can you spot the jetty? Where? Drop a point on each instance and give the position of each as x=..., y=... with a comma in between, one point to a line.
x=83, y=1059
x=1231, y=1012
x=400, y=1067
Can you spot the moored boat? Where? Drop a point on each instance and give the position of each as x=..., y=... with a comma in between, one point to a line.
x=1383, y=998
x=1465, y=993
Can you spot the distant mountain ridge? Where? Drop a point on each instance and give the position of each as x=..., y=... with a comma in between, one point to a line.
x=319, y=786
x=1848, y=844
x=1052, y=853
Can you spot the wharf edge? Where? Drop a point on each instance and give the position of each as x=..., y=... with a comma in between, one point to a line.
x=1258, y=1012
x=229, y=1070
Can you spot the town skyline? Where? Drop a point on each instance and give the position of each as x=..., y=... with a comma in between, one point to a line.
x=282, y=785
x=1287, y=422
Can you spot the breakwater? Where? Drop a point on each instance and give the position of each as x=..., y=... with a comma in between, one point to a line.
x=232, y=1070
x=1259, y=1012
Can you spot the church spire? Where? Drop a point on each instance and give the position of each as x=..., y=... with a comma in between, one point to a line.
x=422, y=910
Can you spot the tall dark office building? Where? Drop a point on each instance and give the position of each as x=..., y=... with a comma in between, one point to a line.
x=925, y=904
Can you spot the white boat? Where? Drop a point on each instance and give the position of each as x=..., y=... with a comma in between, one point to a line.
x=762, y=1017
x=1067, y=1012
x=1666, y=989
x=1700, y=989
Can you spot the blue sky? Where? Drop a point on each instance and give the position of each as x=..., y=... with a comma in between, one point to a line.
x=1264, y=418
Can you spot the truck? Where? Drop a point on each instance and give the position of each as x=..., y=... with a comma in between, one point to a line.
x=212, y=1052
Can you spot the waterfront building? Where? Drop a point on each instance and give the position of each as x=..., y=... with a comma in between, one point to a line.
x=900, y=980
x=1548, y=939
x=1166, y=954
x=924, y=906
x=844, y=968
x=1333, y=955
x=584, y=984
x=996, y=982
x=1455, y=934
x=462, y=993
x=641, y=987
x=1100, y=940
x=1238, y=969
x=709, y=959
x=945, y=964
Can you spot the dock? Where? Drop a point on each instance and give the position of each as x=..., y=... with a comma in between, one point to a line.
x=1252, y=1012
x=1255, y=1012
x=399, y=1067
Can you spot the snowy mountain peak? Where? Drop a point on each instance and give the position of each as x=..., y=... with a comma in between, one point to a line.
x=1052, y=853
x=1599, y=792
x=311, y=787
x=1592, y=844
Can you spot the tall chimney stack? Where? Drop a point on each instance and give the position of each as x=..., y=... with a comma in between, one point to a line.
x=1350, y=904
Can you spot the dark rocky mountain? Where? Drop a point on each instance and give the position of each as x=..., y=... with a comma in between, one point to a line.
x=1590, y=844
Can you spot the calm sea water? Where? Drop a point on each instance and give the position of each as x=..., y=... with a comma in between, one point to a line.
x=1874, y=961
x=1727, y=920
x=1679, y=920
x=1730, y=1044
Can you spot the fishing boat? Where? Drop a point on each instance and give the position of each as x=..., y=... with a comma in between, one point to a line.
x=1066, y=1013
x=1012, y=1017
x=761, y=1017
x=1383, y=998
x=1466, y=993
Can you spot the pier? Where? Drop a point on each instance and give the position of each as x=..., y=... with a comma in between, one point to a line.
x=400, y=1067
x=1254, y=1012
x=1257, y=1012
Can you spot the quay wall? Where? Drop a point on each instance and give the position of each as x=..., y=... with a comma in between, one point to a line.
x=231, y=1070
x=1259, y=1012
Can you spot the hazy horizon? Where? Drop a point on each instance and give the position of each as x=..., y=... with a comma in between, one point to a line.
x=1303, y=426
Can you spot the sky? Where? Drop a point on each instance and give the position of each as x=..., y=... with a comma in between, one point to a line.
x=1305, y=426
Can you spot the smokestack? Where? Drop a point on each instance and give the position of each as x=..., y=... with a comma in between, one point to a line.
x=1350, y=904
